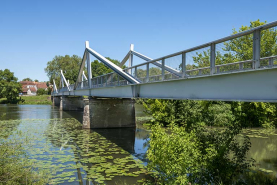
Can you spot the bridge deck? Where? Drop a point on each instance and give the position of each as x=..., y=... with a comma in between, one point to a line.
x=253, y=79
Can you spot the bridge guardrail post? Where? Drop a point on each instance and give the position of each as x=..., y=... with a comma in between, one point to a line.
x=136, y=70
x=212, y=59
x=163, y=69
x=106, y=80
x=147, y=72
x=256, y=48
x=183, y=65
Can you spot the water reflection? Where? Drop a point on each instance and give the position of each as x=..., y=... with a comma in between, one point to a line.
x=98, y=157
x=79, y=143
x=71, y=149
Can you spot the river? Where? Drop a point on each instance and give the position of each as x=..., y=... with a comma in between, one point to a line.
x=110, y=156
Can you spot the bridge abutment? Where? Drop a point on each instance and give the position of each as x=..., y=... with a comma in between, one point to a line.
x=109, y=113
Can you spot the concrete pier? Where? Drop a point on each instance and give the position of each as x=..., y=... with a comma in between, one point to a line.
x=100, y=112
x=56, y=100
x=71, y=103
x=109, y=113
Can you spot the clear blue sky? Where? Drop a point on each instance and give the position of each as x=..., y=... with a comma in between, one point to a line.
x=33, y=32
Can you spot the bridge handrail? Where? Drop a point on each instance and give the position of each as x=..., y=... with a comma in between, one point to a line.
x=124, y=82
x=262, y=27
x=265, y=58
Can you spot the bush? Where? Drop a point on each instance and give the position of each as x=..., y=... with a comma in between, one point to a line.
x=180, y=112
x=255, y=114
x=41, y=91
x=201, y=156
x=15, y=165
x=176, y=156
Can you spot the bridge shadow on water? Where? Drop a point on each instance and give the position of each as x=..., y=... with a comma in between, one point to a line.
x=123, y=137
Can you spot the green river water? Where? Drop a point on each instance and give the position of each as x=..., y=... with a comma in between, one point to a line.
x=72, y=155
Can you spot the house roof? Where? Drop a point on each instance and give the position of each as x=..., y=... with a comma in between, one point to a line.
x=41, y=85
x=27, y=83
x=33, y=89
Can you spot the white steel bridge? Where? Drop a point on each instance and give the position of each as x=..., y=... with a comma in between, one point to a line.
x=213, y=71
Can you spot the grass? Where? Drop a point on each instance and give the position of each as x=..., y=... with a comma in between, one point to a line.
x=37, y=100
x=32, y=100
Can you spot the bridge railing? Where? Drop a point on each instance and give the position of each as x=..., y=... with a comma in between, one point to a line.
x=235, y=53
x=107, y=80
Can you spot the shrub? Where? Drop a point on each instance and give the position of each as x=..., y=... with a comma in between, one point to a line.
x=200, y=156
x=41, y=91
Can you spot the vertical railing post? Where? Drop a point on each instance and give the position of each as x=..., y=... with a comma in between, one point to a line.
x=256, y=48
x=212, y=59
x=131, y=59
x=147, y=72
x=118, y=80
x=106, y=80
x=240, y=66
x=88, y=66
x=183, y=65
x=270, y=61
x=136, y=72
x=217, y=69
x=163, y=60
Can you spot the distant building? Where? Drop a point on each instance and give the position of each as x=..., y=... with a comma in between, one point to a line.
x=30, y=88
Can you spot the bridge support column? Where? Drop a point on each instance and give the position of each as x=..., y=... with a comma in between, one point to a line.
x=109, y=113
x=71, y=103
x=56, y=100
x=61, y=103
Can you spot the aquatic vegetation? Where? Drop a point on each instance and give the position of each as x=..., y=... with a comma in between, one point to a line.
x=67, y=153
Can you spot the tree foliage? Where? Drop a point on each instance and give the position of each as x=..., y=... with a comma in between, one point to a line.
x=27, y=79
x=199, y=157
x=98, y=68
x=41, y=91
x=9, y=87
x=69, y=64
x=239, y=49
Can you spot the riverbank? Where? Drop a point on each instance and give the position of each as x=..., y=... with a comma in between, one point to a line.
x=31, y=100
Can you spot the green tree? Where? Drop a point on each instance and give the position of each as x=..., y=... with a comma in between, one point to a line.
x=200, y=156
x=41, y=91
x=98, y=68
x=9, y=87
x=69, y=64
x=181, y=112
x=27, y=79
x=36, y=80
x=239, y=49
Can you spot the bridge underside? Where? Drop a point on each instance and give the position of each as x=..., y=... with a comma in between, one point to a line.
x=257, y=85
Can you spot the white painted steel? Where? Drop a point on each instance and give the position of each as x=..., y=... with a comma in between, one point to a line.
x=64, y=80
x=131, y=58
x=254, y=85
x=167, y=68
x=114, y=67
x=256, y=48
x=81, y=70
x=55, y=87
x=242, y=84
